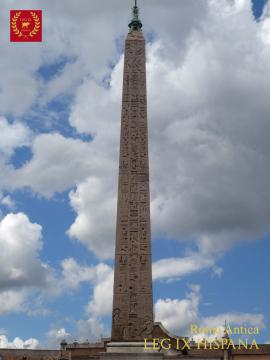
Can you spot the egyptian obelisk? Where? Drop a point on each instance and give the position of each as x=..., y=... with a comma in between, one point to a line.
x=132, y=318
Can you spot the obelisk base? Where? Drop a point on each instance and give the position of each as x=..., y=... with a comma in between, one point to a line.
x=130, y=351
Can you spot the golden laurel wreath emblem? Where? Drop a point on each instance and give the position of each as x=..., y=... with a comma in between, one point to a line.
x=18, y=32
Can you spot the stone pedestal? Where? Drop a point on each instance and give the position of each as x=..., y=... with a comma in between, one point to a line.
x=130, y=351
x=131, y=356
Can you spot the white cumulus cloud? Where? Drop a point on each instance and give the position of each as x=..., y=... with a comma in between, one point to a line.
x=208, y=149
x=177, y=315
x=22, y=271
x=178, y=267
x=18, y=343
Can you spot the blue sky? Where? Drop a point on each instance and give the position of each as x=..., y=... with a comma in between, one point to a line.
x=60, y=126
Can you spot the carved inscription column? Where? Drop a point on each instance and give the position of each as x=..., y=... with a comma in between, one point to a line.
x=132, y=317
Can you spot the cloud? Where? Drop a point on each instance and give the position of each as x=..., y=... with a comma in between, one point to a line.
x=91, y=328
x=12, y=301
x=217, y=271
x=20, y=66
x=22, y=272
x=92, y=101
x=18, y=343
x=55, y=336
x=177, y=315
x=234, y=319
x=214, y=191
x=7, y=201
x=55, y=159
x=91, y=211
x=99, y=276
x=216, y=186
x=94, y=200
x=101, y=305
x=17, y=73
x=73, y=273
x=100, y=279
x=58, y=163
x=58, y=333
x=21, y=242
x=14, y=135
x=179, y=267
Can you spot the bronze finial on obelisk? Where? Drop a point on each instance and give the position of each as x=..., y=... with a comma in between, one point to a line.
x=132, y=317
x=135, y=23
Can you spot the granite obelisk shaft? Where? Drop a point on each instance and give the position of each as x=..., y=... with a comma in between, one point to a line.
x=132, y=297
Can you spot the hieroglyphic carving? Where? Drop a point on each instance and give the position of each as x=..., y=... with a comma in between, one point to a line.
x=132, y=302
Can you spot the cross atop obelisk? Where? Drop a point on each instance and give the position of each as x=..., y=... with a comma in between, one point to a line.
x=135, y=24
x=132, y=317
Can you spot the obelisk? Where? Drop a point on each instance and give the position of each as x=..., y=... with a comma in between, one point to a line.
x=132, y=318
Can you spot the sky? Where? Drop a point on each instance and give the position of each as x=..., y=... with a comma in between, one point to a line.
x=208, y=75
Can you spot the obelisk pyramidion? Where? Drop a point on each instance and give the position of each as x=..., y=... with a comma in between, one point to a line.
x=132, y=317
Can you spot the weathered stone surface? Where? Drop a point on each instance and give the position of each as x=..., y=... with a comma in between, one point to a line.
x=129, y=351
x=132, y=356
x=132, y=317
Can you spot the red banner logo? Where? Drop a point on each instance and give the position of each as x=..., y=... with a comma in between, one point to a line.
x=25, y=25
